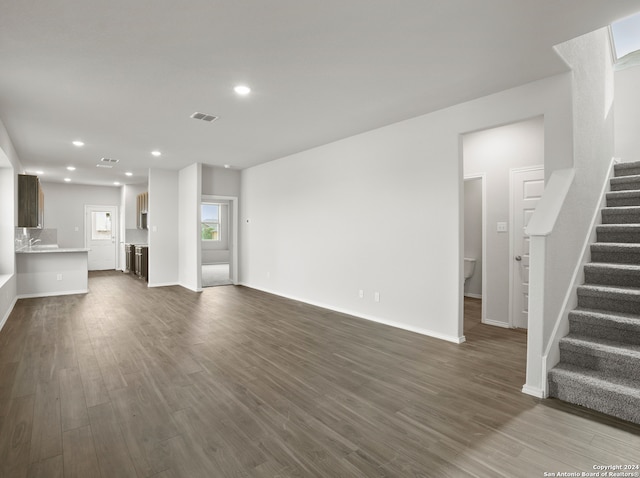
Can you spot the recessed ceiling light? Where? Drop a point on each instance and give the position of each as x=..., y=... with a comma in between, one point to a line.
x=242, y=90
x=66, y=180
x=227, y=166
x=71, y=168
x=78, y=143
x=128, y=173
x=39, y=172
x=116, y=183
x=156, y=153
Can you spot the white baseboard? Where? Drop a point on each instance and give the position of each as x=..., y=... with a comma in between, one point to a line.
x=162, y=284
x=380, y=320
x=52, y=294
x=192, y=289
x=473, y=296
x=496, y=323
x=536, y=392
x=9, y=310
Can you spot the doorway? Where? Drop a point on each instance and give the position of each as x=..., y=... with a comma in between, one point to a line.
x=101, y=233
x=494, y=153
x=474, y=249
x=219, y=226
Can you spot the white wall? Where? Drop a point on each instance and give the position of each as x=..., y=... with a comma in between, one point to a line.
x=64, y=208
x=494, y=152
x=218, y=181
x=627, y=114
x=593, y=91
x=473, y=234
x=316, y=225
x=189, y=257
x=10, y=166
x=163, y=227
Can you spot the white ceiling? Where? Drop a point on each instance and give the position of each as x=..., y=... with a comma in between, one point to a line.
x=124, y=76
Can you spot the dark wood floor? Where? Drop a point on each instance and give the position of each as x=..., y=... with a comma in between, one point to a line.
x=128, y=381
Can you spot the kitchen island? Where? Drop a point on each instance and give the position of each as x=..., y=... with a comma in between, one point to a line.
x=49, y=270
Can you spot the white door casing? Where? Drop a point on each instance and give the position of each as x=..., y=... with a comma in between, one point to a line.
x=527, y=186
x=101, y=234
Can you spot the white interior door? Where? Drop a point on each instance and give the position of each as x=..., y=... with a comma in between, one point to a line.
x=101, y=229
x=527, y=187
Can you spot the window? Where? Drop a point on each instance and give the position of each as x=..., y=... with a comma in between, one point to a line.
x=100, y=225
x=626, y=36
x=210, y=222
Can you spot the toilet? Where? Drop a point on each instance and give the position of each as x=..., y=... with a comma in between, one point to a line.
x=469, y=268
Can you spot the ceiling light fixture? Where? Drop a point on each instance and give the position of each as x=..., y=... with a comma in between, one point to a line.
x=78, y=143
x=156, y=153
x=39, y=172
x=128, y=173
x=227, y=166
x=66, y=180
x=71, y=168
x=116, y=183
x=242, y=90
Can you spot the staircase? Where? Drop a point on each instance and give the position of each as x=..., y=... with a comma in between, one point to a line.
x=600, y=358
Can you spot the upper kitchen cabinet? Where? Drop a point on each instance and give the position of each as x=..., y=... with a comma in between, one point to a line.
x=30, y=202
x=142, y=209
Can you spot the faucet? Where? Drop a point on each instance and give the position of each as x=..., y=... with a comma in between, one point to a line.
x=32, y=241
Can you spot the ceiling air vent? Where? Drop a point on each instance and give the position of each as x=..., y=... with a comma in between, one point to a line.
x=104, y=166
x=204, y=117
x=109, y=160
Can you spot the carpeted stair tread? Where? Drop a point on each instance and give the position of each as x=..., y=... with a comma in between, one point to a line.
x=615, y=396
x=628, y=168
x=625, y=183
x=600, y=354
x=604, y=273
x=616, y=252
x=618, y=233
x=621, y=215
x=623, y=198
x=613, y=326
x=602, y=379
x=614, y=298
x=613, y=267
x=603, y=290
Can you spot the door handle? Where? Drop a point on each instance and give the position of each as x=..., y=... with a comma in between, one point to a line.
x=518, y=258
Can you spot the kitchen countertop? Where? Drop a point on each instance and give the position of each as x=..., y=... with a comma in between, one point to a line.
x=47, y=249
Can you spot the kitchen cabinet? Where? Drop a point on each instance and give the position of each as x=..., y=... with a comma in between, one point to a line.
x=30, y=202
x=142, y=208
x=142, y=262
x=130, y=255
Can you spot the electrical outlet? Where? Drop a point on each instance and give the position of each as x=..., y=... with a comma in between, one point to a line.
x=501, y=227
x=59, y=277
x=376, y=296
x=361, y=294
